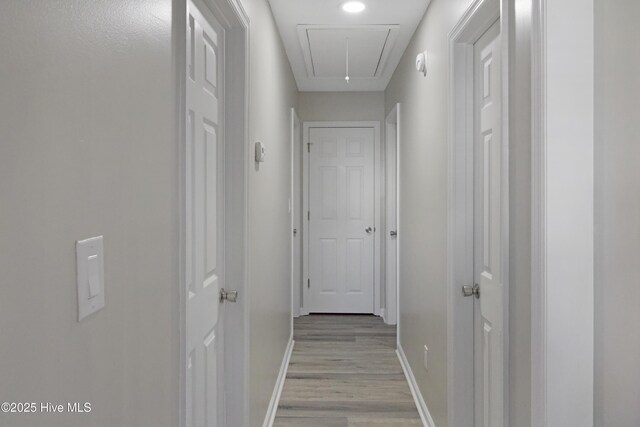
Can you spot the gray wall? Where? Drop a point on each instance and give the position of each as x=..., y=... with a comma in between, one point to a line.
x=272, y=94
x=617, y=220
x=341, y=106
x=88, y=147
x=88, y=129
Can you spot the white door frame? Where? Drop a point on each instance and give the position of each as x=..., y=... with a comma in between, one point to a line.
x=460, y=313
x=235, y=21
x=562, y=291
x=392, y=300
x=377, y=168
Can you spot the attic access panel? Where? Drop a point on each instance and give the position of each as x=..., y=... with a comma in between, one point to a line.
x=324, y=49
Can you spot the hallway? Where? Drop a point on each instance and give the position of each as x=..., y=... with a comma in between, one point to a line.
x=344, y=372
x=185, y=181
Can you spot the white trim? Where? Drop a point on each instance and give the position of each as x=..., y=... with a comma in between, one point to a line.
x=277, y=390
x=378, y=170
x=235, y=21
x=393, y=118
x=480, y=15
x=538, y=226
x=423, y=410
x=562, y=311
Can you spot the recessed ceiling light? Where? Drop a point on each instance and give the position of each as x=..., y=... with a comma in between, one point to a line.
x=353, y=6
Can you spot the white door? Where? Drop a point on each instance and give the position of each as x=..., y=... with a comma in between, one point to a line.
x=341, y=223
x=296, y=203
x=391, y=218
x=488, y=229
x=204, y=197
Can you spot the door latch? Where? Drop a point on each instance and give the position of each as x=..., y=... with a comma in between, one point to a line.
x=474, y=290
x=231, y=296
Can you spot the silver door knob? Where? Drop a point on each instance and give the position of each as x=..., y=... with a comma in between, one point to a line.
x=393, y=233
x=368, y=230
x=474, y=290
x=231, y=296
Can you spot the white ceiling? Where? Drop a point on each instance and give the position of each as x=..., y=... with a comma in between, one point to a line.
x=315, y=34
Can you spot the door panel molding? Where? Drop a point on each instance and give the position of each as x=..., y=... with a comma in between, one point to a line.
x=378, y=181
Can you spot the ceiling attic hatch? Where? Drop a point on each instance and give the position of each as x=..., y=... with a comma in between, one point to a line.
x=314, y=33
x=324, y=47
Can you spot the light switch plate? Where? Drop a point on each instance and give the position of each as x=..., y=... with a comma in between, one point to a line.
x=90, y=270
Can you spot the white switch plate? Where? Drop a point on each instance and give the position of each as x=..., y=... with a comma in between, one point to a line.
x=90, y=268
x=426, y=357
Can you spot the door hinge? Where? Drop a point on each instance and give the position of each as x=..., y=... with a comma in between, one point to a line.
x=308, y=215
x=308, y=147
x=308, y=283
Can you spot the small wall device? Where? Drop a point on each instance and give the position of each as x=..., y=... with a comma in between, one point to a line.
x=421, y=63
x=260, y=154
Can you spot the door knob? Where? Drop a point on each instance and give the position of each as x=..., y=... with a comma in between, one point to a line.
x=474, y=290
x=393, y=233
x=368, y=230
x=231, y=296
x=295, y=231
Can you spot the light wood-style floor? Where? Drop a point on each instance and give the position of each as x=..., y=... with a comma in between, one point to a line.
x=344, y=372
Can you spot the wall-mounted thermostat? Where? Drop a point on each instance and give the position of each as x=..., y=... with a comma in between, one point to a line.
x=260, y=154
x=421, y=63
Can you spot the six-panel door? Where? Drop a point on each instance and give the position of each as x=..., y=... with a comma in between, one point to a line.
x=204, y=239
x=488, y=229
x=341, y=225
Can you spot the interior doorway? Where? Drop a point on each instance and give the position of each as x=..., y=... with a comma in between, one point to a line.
x=478, y=232
x=205, y=219
x=341, y=188
x=213, y=119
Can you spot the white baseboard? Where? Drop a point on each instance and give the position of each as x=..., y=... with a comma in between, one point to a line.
x=383, y=314
x=425, y=416
x=277, y=390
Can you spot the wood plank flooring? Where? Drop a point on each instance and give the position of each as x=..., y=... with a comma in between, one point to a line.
x=344, y=372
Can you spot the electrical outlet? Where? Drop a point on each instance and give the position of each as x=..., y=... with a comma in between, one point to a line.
x=426, y=357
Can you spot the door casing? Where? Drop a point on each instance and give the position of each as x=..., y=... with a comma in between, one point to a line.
x=378, y=182
x=232, y=16
x=477, y=19
x=562, y=175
